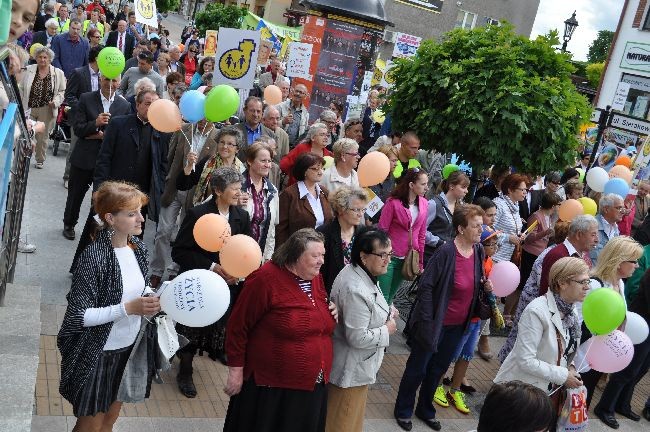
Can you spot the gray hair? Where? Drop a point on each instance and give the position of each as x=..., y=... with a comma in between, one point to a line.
x=43, y=49
x=341, y=198
x=313, y=130
x=608, y=200
x=229, y=131
x=179, y=90
x=289, y=252
x=51, y=23
x=224, y=177
x=344, y=145
x=269, y=109
x=49, y=7
x=142, y=84
x=582, y=223
x=328, y=115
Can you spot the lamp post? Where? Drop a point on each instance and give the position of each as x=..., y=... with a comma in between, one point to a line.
x=569, y=27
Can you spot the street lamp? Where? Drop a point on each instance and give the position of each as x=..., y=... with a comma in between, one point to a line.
x=569, y=27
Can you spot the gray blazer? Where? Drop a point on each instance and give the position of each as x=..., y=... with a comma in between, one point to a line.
x=361, y=334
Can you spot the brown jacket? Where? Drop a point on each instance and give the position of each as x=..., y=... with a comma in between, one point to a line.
x=178, y=151
x=296, y=213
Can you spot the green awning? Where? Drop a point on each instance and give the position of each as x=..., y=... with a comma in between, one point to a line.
x=251, y=21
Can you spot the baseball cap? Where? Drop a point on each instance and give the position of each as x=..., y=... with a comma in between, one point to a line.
x=488, y=233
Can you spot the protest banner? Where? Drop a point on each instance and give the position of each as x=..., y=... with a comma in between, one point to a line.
x=145, y=12
x=299, y=60
x=406, y=45
x=236, y=58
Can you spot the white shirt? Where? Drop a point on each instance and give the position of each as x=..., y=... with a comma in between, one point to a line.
x=94, y=79
x=123, y=37
x=314, y=202
x=106, y=103
x=415, y=211
x=569, y=246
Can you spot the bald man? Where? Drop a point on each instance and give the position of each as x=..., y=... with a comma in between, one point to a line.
x=294, y=114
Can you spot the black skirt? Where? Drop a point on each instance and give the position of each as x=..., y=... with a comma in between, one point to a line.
x=100, y=391
x=271, y=409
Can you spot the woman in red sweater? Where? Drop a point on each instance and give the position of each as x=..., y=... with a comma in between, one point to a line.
x=315, y=142
x=279, y=343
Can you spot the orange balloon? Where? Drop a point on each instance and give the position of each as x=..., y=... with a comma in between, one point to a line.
x=181, y=47
x=373, y=169
x=621, y=171
x=624, y=160
x=210, y=231
x=240, y=255
x=165, y=116
x=272, y=95
x=569, y=209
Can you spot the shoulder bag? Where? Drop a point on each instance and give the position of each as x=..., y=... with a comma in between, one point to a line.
x=411, y=266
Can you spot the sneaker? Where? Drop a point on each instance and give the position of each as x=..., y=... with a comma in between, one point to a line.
x=441, y=397
x=65, y=184
x=458, y=399
x=26, y=247
x=39, y=165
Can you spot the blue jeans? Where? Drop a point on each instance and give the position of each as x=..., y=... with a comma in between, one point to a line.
x=424, y=369
x=467, y=344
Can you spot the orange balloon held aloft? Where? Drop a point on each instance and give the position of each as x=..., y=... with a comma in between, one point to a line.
x=621, y=171
x=624, y=160
x=211, y=231
x=272, y=95
x=569, y=209
x=164, y=116
x=240, y=255
x=373, y=169
x=181, y=47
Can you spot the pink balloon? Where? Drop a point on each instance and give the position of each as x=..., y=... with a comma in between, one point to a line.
x=610, y=353
x=505, y=278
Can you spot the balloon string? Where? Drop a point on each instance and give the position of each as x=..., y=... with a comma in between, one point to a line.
x=204, y=126
x=190, y=144
x=193, y=149
x=584, y=359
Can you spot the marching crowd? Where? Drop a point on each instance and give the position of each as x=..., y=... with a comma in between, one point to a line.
x=305, y=334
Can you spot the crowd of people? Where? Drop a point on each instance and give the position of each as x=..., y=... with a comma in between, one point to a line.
x=304, y=335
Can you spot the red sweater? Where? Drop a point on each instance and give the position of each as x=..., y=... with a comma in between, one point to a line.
x=287, y=162
x=277, y=334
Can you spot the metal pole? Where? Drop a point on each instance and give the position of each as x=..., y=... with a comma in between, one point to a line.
x=602, y=124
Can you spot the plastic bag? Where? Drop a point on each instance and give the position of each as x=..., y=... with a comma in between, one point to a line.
x=573, y=417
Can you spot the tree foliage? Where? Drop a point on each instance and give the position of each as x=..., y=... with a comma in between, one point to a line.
x=492, y=96
x=594, y=71
x=599, y=48
x=163, y=6
x=217, y=15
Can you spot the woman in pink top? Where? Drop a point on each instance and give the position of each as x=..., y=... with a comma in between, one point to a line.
x=404, y=210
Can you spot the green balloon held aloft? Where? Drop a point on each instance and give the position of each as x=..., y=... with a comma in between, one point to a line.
x=111, y=62
x=603, y=311
x=448, y=169
x=221, y=103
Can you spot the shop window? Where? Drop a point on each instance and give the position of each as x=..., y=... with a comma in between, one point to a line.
x=465, y=20
x=646, y=21
x=638, y=99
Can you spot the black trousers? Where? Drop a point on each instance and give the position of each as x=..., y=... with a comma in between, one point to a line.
x=79, y=182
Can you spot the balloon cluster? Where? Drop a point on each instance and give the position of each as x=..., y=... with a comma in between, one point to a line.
x=617, y=181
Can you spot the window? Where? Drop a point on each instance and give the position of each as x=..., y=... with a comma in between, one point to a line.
x=646, y=22
x=638, y=99
x=465, y=20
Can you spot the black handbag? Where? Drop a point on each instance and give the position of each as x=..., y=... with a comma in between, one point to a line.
x=483, y=308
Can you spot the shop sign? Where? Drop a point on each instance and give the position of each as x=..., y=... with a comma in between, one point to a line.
x=428, y=5
x=636, y=56
x=631, y=124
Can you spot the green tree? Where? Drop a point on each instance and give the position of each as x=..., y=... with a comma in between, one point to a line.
x=167, y=5
x=593, y=72
x=217, y=15
x=492, y=96
x=599, y=48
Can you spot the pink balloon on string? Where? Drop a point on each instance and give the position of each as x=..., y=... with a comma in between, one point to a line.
x=610, y=353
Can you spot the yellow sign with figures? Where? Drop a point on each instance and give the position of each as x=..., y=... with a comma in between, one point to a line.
x=237, y=52
x=146, y=13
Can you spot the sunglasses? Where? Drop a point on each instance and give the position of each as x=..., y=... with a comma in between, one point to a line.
x=194, y=51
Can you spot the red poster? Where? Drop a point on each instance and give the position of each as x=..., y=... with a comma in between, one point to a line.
x=312, y=33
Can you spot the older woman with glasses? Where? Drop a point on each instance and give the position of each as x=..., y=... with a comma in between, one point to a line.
x=348, y=205
x=362, y=333
x=189, y=61
x=206, y=65
x=163, y=61
x=342, y=172
x=172, y=80
x=353, y=129
x=315, y=142
x=42, y=88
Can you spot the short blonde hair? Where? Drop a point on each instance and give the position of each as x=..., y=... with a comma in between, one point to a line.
x=388, y=150
x=342, y=146
x=616, y=251
x=564, y=269
x=341, y=199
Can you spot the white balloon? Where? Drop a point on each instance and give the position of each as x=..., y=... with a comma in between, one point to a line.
x=636, y=328
x=596, y=179
x=196, y=298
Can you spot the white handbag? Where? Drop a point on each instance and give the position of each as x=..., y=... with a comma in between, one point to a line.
x=167, y=336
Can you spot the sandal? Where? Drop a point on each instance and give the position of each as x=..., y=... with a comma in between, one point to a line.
x=186, y=385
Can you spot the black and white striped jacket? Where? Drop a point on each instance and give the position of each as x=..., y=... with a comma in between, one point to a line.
x=96, y=282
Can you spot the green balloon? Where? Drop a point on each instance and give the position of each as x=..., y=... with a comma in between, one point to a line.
x=582, y=175
x=111, y=62
x=448, y=169
x=221, y=103
x=603, y=311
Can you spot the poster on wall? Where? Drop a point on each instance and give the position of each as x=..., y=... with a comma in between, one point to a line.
x=406, y=45
x=368, y=52
x=299, y=60
x=428, y=5
x=641, y=167
x=236, y=59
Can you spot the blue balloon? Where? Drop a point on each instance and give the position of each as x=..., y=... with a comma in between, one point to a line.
x=617, y=186
x=192, y=106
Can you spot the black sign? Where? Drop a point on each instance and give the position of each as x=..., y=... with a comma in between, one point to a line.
x=430, y=5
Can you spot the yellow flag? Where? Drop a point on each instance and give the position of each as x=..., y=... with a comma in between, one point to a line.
x=285, y=46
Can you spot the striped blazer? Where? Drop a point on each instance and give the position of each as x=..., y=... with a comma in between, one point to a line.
x=96, y=282
x=507, y=221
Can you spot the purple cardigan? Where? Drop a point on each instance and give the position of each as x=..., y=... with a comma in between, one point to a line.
x=396, y=219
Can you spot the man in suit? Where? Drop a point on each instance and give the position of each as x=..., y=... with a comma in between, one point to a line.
x=271, y=120
x=274, y=76
x=82, y=80
x=174, y=202
x=121, y=40
x=534, y=197
x=252, y=128
x=45, y=37
x=89, y=117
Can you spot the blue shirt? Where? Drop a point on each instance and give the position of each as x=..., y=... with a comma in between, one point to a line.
x=69, y=55
x=252, y=135
x=606, y=232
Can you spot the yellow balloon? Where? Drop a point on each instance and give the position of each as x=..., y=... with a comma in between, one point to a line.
x=329, y=161
x=33, y=48
x=589, y=205
x=378, y=116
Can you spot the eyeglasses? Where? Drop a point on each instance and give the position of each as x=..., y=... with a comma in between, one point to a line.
x=384, y=255
x=522, y=189
x=583, y=282
x=359, y=211
x=227, y=144
x=194, y=51
x=494, y=244
x=353, y=154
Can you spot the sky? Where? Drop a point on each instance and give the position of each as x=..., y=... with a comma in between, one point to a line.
x=592, y=16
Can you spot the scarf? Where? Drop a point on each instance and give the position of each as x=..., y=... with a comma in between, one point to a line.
x=202, y=192
x=570, y=320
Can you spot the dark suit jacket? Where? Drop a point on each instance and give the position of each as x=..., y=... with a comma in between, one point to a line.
x=190, y=255
x=334, y=261
x=119, y=153
x=535, y=202
x=40, y=37
x=296, y=213
x=129, y=43
x=82, y=118
x=39, y=24
x=78, y=84
x=241, y=127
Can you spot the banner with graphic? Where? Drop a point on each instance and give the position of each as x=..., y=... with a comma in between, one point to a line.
x=266, y=34
x=406, y=45
x=236, y=57
x=428, y=5
x=251, y=21
x=145, y=12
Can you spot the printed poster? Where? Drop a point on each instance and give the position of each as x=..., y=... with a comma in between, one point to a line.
x=266, y=34
x=236, y=58
x=210, y=49
x=145, y=12
x=265, y=52
x=299, y=60
x=406, y=45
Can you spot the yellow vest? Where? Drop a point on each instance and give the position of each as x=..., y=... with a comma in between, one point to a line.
x=413, y=163
x=99, y=25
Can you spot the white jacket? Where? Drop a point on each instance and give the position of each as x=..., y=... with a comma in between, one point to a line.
x=533, y=359
x=332, y=180
x=269, y=246
x=58, y=86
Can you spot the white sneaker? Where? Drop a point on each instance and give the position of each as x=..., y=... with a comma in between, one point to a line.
x=39, y=165
x=26, y=247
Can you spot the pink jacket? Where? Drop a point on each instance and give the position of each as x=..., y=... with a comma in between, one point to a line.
x=395, y=219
